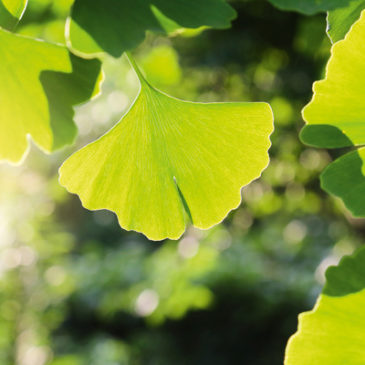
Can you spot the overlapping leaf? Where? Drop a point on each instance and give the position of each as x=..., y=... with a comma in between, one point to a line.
x=169, y=161
x=114, y=26
x=336, y=118
x=341, y=13
x=310, y=7
x=339, y=21
x=10, y=12
x=39, y=84
x=333, y=333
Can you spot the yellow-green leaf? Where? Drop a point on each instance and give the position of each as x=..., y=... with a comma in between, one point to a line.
x=169, y=161
x=39, y=84
x=333, y=333
x=336, y=118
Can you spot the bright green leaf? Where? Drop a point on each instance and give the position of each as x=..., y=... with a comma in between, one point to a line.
x=333, y=333
x=39, y=84
x=114, y=26
x=310, y=7
x=339, y=21
x=336, y=118
x=11, y=12
x=169, y=161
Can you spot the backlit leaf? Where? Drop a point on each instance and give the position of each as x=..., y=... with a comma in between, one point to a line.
x=333, y=333
x=336, y=118
x=39, y=84
x=169, y=161
x=114, y=26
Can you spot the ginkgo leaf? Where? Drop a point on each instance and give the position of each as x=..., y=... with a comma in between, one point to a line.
x=310, y=7
x=336, y=117
x=345, y=178
x=11, y=12
x=114, y=26
x=333, y=333
x=39, y=84
x=339, y=21
x=169, y=161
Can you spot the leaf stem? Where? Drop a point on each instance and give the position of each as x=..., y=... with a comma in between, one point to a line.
x=135, y=67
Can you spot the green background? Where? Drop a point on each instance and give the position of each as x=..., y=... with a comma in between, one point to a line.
x=76, y=289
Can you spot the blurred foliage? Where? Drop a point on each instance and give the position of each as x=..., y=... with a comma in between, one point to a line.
x=78, y=290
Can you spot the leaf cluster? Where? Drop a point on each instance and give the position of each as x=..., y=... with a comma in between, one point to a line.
x=168, y=162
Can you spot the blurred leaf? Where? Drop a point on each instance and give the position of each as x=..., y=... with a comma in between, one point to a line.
x=162, y=67
x=333, y=333
x=34, y=74
x=283, y=111
x=339, y=21
x=169, y=160
x=11, y=12
x=310, y=7
x=67, y=360
x=114, y=26
x=336, y=118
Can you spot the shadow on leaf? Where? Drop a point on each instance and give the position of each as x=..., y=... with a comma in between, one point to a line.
x=114, y=26
x=65, y=90
x=7, y=20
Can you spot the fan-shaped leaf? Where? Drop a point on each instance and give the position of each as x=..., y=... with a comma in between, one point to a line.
x=114, y=26
x=39, y=84
x=11, y=12
x=336, y=117
x=170, y=160
x=333, y=333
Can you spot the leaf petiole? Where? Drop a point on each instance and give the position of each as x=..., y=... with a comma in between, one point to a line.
x=135, y=67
